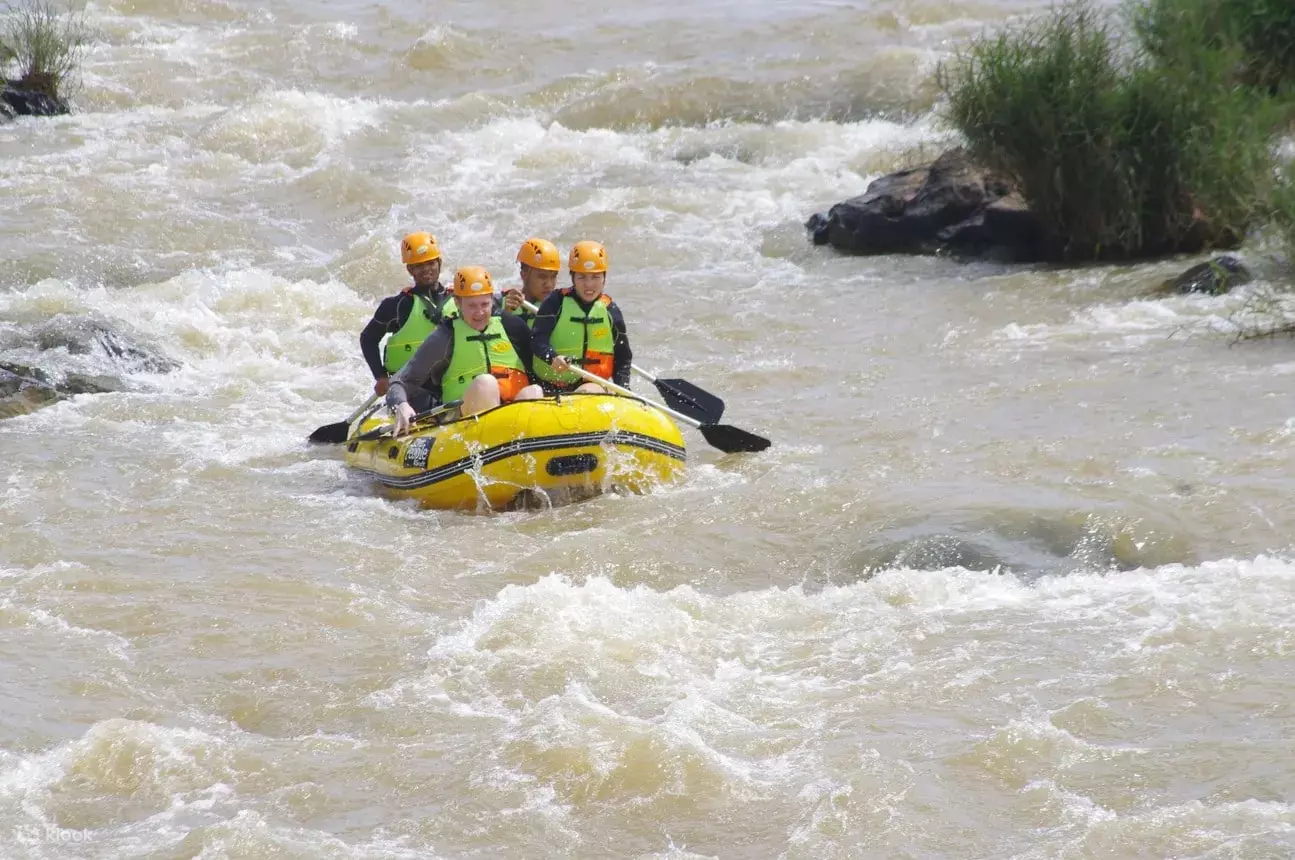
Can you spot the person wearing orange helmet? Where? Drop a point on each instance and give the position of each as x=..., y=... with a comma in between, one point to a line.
x=476, y=356
x=540, y=263
x=581, y=325
x=409, y=316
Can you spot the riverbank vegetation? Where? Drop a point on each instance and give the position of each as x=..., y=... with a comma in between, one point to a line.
x=41, y=47
x=1140, y=133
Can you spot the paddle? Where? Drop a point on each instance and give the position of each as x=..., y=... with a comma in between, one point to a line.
x=332, y=434
x=420, y=417
x=679, y=394
x=729, y=439
x=687, y=398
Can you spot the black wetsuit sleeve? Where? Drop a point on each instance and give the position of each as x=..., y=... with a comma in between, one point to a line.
x=622, y=355
x=520, y=336
x=545, y=321
x=425, y=367
x=390, y=316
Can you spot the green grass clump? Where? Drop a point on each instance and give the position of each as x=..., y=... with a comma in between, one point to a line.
x=1120, y=154
x=44, y=44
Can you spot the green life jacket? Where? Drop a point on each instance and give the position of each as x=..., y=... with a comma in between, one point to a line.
x=478, y=352
x=585, y=339
x=422, y=320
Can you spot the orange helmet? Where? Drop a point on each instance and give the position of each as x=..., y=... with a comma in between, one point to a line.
x=587, y=257
x=472, y=281
x=540, y=254
x=419, y=248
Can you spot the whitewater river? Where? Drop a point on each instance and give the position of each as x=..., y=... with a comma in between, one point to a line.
x=1014, y=581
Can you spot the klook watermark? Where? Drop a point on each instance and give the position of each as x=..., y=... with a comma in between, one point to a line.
x=33, y=833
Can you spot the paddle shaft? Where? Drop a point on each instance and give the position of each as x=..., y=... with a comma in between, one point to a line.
x=356, y=414
x=643, y=373
x=634, y=367
x=725, y=437
x=335, y=433
x=607, y=383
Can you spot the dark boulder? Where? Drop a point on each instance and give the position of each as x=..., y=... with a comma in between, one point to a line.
x=21, y=393
x=951, y=206
x=25, y=389
x=19, y=102
x=1213, y=277
x=1004, y=229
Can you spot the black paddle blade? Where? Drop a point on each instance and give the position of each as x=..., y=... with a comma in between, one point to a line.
x=698, y=404
x=331, y=434
x=733, y=440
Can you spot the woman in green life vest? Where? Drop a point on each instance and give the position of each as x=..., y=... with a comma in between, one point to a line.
x=581, y=325
x=410, y=316
x=540, y=263
x=477, y=356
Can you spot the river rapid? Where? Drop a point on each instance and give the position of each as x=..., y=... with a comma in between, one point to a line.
x=1014, y=581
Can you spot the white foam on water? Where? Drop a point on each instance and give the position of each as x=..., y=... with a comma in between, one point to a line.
x=676, y=852
x=291, y=127
x=437, y=34
x=635, y=172
x=175, y=788
x=22, y=574
x=564, y=684
x=1138, y=323
x=1195, y=829
x=147, y=762
x=15, y=615
x=244, y=337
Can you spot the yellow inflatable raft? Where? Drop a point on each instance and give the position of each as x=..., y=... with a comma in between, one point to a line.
x=575, y=446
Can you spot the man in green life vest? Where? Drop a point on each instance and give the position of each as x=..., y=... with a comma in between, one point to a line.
x=478, y=357
x=581, y=325
x=540, y=264
x=411, y=315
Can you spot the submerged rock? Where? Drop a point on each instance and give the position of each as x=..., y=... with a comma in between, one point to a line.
x=21, y=393
x=1213, y=277
x=87, y=336
x=928, y=552
x=1027, y=544
x=950, y=206
x=25, y=387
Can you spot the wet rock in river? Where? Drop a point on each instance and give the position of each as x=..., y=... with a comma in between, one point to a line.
x=954, y=206
x=1213, y=277
x=107, y=356
x=21, y=393
x=16, y=102
x=950, y=206
x=84, y=336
